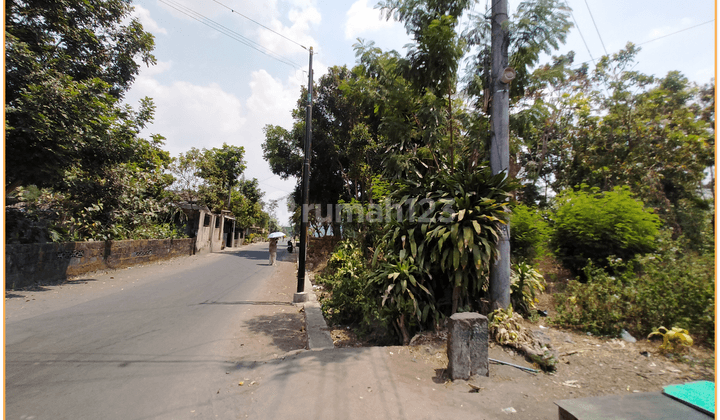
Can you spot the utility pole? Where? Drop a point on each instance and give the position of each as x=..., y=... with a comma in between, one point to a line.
x=305, y=187
x=501, y=75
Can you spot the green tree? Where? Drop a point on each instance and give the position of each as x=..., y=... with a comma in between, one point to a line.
x=342, y=147
x=184, y=169
x=651, y=134
x=592, y=225
x=67, y=66
x=220, y=169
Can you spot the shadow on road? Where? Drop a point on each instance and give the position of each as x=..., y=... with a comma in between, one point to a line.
x=43, y=287
x=286, y=329
x=247, y=302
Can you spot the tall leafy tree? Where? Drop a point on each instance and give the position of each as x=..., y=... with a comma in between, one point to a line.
x=67, y=66
x=341, y=145
x=650, y=134
x=221, y=169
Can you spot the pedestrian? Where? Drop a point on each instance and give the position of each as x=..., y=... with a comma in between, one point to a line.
x=273, y=250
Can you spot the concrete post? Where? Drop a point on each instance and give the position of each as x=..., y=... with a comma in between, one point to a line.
x=467, y=345
x=500, y=147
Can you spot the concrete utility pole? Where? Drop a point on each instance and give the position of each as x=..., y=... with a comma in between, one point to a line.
x=305, y=188
x=500, y=144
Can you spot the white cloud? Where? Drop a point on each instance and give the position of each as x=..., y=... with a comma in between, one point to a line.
x=270, y=102
x=143, y=15
x=206, y=116
x=271, y=99
x=191, y=115
x=302, y=19
x=363, y=19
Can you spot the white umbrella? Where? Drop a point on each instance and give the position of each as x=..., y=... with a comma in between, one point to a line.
x=276, y=235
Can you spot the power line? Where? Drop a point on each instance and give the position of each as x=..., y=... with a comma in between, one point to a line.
x=596, y=28
x=677, y=32
x=260, y=24
x=582, y=37
x=228, y=32
x=652, y=40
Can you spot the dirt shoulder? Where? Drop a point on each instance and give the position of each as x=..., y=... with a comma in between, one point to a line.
x=589, y=366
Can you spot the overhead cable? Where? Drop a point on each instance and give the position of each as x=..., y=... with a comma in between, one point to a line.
x=260, y=24
x=596, y=28
x=582, y=37
x=228, y=32
x=655, y=39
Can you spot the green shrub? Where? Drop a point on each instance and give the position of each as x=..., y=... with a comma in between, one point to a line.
x=593, y=225
x=597, y=306
x=405, y=302
x=526, y=284
x=673, y=287
x=447, y=241
x=250, y=238
x=345, y=279
x=529, y=234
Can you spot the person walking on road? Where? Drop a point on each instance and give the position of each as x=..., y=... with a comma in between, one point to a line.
x=273, y=250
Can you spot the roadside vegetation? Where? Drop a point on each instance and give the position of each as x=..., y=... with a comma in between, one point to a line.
x=610, y=169
x=608, y=181
x=76, y=167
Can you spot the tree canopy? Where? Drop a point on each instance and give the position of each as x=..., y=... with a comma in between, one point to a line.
x=67, y=66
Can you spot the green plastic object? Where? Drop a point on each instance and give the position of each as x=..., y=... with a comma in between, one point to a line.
x=699, y=395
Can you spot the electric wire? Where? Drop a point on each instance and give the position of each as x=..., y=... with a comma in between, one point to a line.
x=260, y=24
x=582, y=37
x=654, y=39
x=677, y=32
x=596, y=28
x=228, y=32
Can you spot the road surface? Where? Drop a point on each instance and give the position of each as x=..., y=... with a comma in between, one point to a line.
x=155, y=342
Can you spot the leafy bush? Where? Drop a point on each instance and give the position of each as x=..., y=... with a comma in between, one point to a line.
x=526, y=284
x=405, y=302
x=672, y=287
x=597, y=306
x=593, y=225
x=447, y=242
x=345, y=280
x=529, y=233
x=250, y=238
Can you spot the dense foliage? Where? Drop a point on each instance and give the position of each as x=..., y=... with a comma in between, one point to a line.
x=669, y=288
x=67, y=66
x=435, y=258
x=76, y=168
x=594, y=225
x=529, y=234
x=605, y=157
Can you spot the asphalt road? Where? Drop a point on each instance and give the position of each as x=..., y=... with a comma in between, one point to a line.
x=154, y=344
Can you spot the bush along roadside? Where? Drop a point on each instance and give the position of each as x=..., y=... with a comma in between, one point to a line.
x=670, y=288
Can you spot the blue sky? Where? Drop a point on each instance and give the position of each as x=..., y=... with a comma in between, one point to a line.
x=210, y=88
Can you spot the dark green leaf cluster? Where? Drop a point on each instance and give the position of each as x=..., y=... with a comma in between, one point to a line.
x=345, y=279
x=68, y=65
x=435, y=257
x=529, y=234
x=594, y=225
x=68, y=134
x=671, y=287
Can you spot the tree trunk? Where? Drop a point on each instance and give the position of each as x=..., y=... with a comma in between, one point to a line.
x=455, y=299
x=403, y=330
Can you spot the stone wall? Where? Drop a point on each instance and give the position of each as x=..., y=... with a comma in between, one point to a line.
x=28, y=264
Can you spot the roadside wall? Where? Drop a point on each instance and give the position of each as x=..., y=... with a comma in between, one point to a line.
x=27, y=264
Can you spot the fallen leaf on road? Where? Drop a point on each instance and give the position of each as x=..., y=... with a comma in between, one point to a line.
x=241, y=383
